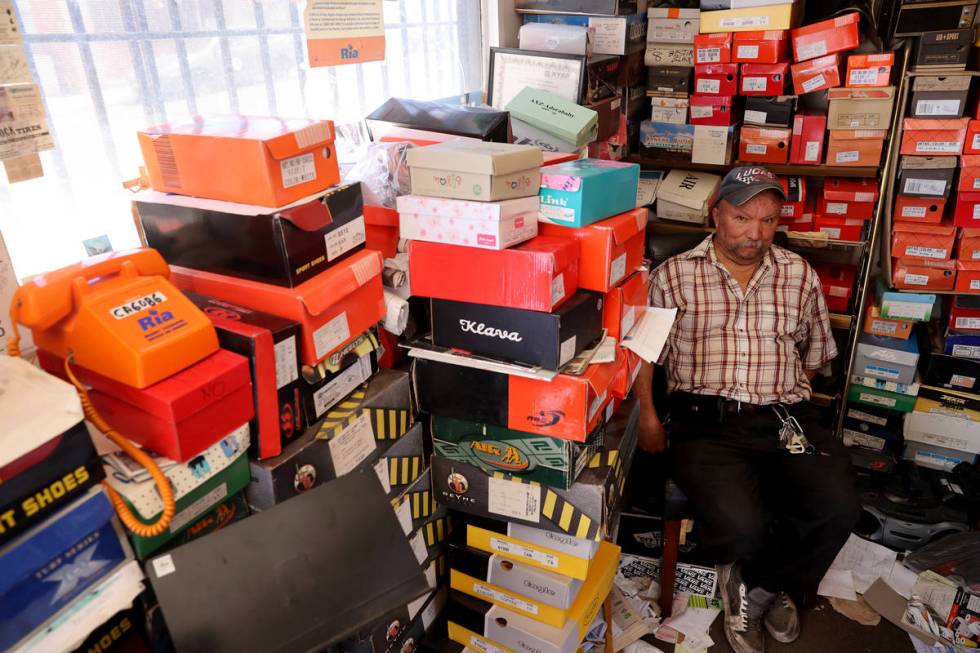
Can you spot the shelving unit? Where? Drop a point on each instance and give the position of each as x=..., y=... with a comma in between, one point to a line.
x=651, y=163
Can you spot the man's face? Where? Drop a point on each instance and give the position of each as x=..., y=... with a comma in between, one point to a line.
x=745, y=232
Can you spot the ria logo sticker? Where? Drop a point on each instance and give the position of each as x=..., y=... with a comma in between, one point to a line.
x=546, y=417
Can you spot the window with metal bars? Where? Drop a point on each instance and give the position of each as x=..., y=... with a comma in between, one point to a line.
x=107, y=68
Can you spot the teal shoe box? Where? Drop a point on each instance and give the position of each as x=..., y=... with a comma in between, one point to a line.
x=580, y=193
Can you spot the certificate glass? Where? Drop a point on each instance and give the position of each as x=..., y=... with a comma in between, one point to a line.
x=512, y=70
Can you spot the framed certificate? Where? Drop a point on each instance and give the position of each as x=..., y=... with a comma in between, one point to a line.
x=511, y=70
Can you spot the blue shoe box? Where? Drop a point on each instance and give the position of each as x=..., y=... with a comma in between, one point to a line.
x=580, y=193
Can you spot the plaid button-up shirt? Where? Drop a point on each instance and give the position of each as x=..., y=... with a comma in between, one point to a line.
x=750, y=346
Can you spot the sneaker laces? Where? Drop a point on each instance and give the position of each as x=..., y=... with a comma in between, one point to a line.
x=750, y=611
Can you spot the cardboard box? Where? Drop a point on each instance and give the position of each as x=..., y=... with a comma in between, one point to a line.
x=714, y=110
x=592, y=7
x=764, y=79
x=855, y=147
x=891, y=359
x=200, y=483
x=83, y=536
x=381, y=230
x=672, y=81
x=684, y=195
x=938, y=458
x=713, y=145
x=860, y=210
x=582, y=192
x=669, y=24
x=945, y=50
x=634, y=101
x=967, y=210
x=178, y=417
x=815, y=40
x=964, y=313
x=222, y=514
x=969, y=173
x=623, y=304
x=284, y=246
x=668, y=110
x=468, y=626
x=881, y=417
x=764, y=145
x=906, y=306
x=487, y=225
x=972, y=143
x=838, y=228
x=276, y=161
x=869, y=69
x=716, y=79
x=967, y=276
x=546, y=340
x=566, y=39
x=608, y=111
x=859, y=434
x=770, y=46
x=923, y=274
x=669, y=54
x=861, y=108
x=795, y=190
x=910, y=389
x=567, y=407
x=806, y=147
x=475, y=171
x=537, y=275
x=749, y=19
x=968, y=244
x=954, y=372
x=333, y=308
x=323, y=387
x=609, y=250
x=584, y=511
x=919, y=209
x=939, y=97
x=609, y=34
x=933, y=136
x=875, y=397
x=849, y=189
x=953, y=403
x=943, y=431
x=552, y=120
x=965, y=344
x=769, y=111
x=926, y=176
x=712, y=48
x=837, y=281
x=816, y=74
x=924, y=241
x=662, y=137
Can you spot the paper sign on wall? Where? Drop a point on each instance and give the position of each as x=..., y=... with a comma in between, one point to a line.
x=9, y=34
x=23, y=168
x=23, y=127
x=340, y=32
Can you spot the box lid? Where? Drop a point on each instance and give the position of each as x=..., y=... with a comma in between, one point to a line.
x=673, y=12
x=718, y=39
x=968, y=266
x=568, y=176
x=948, y=37
x=380, y=216
x=935, y=124
x=467, y=210
x=909, y=345
x=813, y=65
x=764, y=69
x=843, y=189
x=942, y=83
x=688, y=188
x=479, y=158
x=715, y=69
x=871, y=93
x=824, y=25
x=858, y=135
x=623, y=226
x=876, y=59
x=553, y=114
x=762, y=35
x=284, y=137
x=922, y=228
x=929, y=162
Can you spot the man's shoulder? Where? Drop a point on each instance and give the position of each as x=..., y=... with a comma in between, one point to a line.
x=683, y=260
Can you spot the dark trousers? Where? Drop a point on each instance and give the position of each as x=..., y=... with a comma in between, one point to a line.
x=783, y=516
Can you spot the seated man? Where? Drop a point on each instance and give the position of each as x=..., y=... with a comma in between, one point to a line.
x=752, y=330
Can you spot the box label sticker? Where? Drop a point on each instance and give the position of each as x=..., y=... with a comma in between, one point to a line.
x=812, y=152
x=811, y=50
x=876, y=399
x=618, y=269
x=962, y=381
x=342, y=385
x=557, y=288
x=287, y=370
x=908, y=310
x=832, y=232
x=384, y=474
x=975, y=143
x=198, y=508
x=297, y=170
x=757, y=84
x=839, y=291
x=626, y=325
x=939, y=147
x=925, y=187
x=854, y=438
x=506, y=599
x=786, y=211
x=966, y=351
x=712, y=86
x=913, y=211
x=755, y=117
x=567, y=352
x=866, y=417
x=702, y=111
x=847, y=157
x=937, y=108
x=559, y=213
x=514, y=500
x=880, y=372
x=884, y=327
x=527, y=553
x=342, y=240
x=164, y=566
x=974, y=284
x=967, y=323
x=483, y=645
x=863, y=77
x=746, y=21
x=838, y=208
x=814, y=83
x=976, y=183
x=756, y=148
x=597, y=404
x=709, y=55
x=404, y=514
x=418, y=546
x=352, y=445
x=916, y=279
x=747, y=52
x=331, y=335
x=430, y=574
x=976, y=211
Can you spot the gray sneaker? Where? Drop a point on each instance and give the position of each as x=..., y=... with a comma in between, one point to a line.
x=783, y=620
x=744, y=610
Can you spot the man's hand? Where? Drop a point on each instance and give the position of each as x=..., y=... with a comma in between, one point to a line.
x=652, y=436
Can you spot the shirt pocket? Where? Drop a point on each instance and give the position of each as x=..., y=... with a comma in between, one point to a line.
x=778, y=320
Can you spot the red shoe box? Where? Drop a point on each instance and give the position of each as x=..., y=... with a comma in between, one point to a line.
x=766, y=79
x=964, y=317
x=713, y=48
x=381, y=230
x=967, y=276
x=933, y=242
x=838, y=228
x=610, y=250
x=968, y=245
x=537, y=275
x=838, y=284
x=715, y=110
x=770, y=46
x=796, y=197
x=178, y=417
x=933, y=136
x=623, y=305
x=858, y=210
x=809, y=130
x=855, y=147
x=869, y=69
x=826, y=37
x=967, y=210
x=802, y=223
x=846, y=189
x=333, y=308
x=817, y=74
x=913, y=274
x=972, y=143
x=716, y=79
x=969, y=173
x=764, y=144
x=919, y=209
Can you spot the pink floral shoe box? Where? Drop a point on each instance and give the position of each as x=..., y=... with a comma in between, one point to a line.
x=487, y=225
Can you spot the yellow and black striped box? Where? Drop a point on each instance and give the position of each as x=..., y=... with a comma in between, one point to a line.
x=416, y=505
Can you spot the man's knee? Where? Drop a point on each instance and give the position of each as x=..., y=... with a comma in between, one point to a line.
x=735, y=533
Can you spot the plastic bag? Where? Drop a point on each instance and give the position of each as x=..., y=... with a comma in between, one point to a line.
x=955, y=556
x=383, y=173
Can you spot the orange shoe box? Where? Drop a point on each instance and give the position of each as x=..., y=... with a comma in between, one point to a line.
x=855, y=147
x=817, y=74
x=381, y=230
x=770, y=46
x=764, y=144
x=967, y=276
x=845, y=189
x=885, y=326
x=716, y=79
x=912, y=274
x=858, y=210
x=932, y=136
x=713, y=48
x=809, y=130
x=623, y=382
x=869, y=69
x=967, y=211
x=919, y=209
x=838, y=228
x=333, y=308
x=972, y=143
x=923, y=241
x=624, y=304
x=802, y=223
x=969, y=173
x=764, y=79
x=968, y=245
x=265, y=161
x=610, y=250
x=826, y=37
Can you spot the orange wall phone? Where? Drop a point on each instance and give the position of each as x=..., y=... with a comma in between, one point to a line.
x=118, y=315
